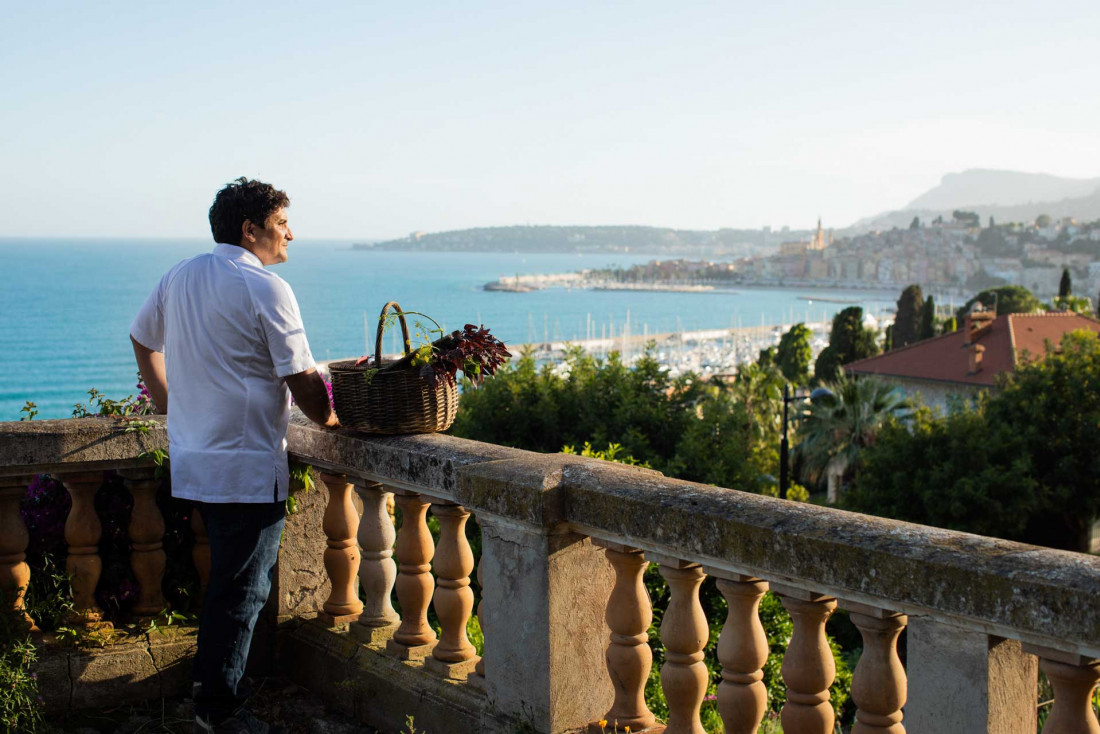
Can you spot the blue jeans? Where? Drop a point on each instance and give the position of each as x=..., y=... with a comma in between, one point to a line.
x=244, y=546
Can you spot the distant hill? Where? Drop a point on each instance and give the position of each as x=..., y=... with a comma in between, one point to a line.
x=635, y=239
x=982, y=187
x=1007, y=196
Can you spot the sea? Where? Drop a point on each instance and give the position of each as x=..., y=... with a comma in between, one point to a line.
x=66, y=305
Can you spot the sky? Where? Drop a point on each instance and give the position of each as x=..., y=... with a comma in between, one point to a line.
x=379, y=119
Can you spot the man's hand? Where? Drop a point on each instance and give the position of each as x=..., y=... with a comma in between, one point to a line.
x=311, y=396
x=151, y=366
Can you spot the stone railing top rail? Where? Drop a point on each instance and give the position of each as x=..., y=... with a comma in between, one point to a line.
x=81, y=444
x=1041, y=596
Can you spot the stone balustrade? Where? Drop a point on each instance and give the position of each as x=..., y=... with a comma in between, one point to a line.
x=565, y=541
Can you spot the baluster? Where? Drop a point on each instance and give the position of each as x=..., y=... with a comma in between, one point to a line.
x=414, y=637
x=684, y=633
x=1073, y=677
x=742, y=651
x=377, y=570
x=15, y=574
x=200, y=553
x=340, y=523
x=454, y=656
x=629, y=658
x=477, y=678
x=808, y=667
x=879, y=684
x=147, y=557
x=82, y=532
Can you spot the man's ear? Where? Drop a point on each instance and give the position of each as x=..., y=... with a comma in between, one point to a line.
x=248, y=231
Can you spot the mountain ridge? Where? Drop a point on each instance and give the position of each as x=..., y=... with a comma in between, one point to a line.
x=1007, y=196
x=997, y=187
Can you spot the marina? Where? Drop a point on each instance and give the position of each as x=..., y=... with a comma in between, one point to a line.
x=707, y=353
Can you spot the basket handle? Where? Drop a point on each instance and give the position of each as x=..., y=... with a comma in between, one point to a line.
x=381, y=329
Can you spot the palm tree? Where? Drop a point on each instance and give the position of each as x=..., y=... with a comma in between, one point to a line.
x=836, y=427
x=760, y=389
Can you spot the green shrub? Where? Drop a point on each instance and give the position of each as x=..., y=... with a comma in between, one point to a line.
x=20, y=704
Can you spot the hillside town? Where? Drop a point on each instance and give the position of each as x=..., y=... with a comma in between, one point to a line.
x=952, y=256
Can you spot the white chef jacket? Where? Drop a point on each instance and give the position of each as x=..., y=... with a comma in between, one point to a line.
x=230, y=332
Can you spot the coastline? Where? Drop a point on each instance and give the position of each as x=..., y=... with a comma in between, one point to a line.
x=581, y=280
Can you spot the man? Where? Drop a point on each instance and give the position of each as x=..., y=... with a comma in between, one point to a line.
x=221, y=347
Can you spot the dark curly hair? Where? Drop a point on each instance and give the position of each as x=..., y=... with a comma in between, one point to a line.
x=240, y=200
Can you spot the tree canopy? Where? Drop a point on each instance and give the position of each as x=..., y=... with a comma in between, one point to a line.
x=1008, y=299
x=908, y=319
x=849, y=340
x=794, y=354
x=685, y=427
x=1065, y=285
x=970, y=219
x=927, y=320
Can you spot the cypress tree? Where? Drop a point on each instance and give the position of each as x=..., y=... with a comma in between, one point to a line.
x=1065, y=287
x=908, y=319
x=927, y=320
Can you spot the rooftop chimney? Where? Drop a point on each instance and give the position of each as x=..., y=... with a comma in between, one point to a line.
x=977, y=323
x=975, y=354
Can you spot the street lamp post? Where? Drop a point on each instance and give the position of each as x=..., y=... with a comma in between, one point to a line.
x=784, y=444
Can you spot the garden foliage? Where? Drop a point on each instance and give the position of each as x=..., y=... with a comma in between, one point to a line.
x=1021, y=464
x=684, y=427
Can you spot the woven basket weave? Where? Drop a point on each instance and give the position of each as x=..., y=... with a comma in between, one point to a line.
x=391, y=401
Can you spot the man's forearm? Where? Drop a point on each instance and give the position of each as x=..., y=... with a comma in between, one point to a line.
x=151, y=366
x=310, y=394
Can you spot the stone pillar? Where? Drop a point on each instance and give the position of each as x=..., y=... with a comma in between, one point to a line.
x=147, y=557
x=200, y=553
x=340, y=523
x=453, y=656
x=1074, y=678
x=742, y=651
x=629, y=657
x=543, y=618
x=878, y=685
x=684, y=633
x=15, y=574
x=82, y=532
x=808, y=666
x=414, y=637
x=961, y=680
x=377, y=570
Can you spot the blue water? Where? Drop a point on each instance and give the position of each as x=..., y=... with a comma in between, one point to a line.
x=66, y=305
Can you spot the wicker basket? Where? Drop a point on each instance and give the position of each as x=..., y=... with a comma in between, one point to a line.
x=391, y=402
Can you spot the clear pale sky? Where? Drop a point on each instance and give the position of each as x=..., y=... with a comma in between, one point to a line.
x=123, y=119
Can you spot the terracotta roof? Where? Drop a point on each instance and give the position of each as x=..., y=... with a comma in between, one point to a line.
x=1010, y=339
